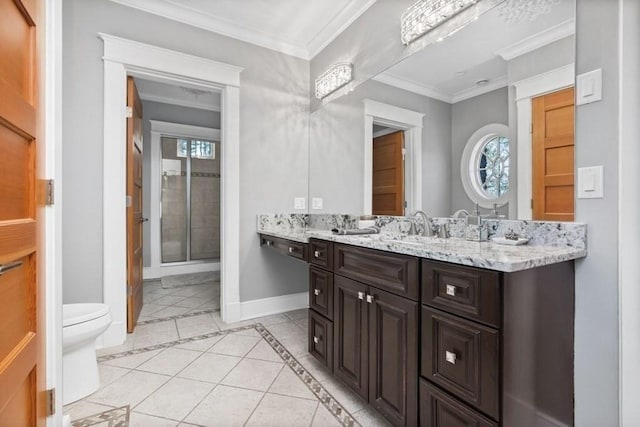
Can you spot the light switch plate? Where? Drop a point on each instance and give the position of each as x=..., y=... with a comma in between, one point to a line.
x=589, y=87
x=299, y=203
x=590, y=182
x=316, y=203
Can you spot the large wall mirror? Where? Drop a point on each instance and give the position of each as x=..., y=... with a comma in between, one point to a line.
x=485, y=116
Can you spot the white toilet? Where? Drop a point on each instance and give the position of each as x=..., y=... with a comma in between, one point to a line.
x=81, y=325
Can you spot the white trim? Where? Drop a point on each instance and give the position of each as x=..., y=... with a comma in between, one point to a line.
x=177, y=101
x=527, y=89
x=274, y=305
x=125, y=57
x=628, y=206
x=536, y=41
x=159, y=129
x=209, y=22
x=400, y=118
x=412, y=86
x=497, y=83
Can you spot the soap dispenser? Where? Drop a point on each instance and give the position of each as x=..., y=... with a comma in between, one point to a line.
x=477, y=229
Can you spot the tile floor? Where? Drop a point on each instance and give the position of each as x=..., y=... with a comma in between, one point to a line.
x=194, y=369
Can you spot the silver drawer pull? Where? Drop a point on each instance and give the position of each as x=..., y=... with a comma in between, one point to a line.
x=450, y=357
x=317, y=292
x=6, y=267
x=370, y=298
x=360, y=295
x=316, y=254
x=451, y=290
x=269, y=243
x=316, y=340
x=291, y=250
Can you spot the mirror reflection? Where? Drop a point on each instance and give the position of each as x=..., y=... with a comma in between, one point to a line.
x=484, y=117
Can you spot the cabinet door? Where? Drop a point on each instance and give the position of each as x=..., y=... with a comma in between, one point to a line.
x=321, y=291
x=321, y=339
x=438, y=409
x=350, y=311
x=393, y=357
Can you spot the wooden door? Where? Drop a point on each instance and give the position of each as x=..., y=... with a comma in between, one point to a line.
x=22, y=368
x=393, y=357
x=388, y=174
x=553, y=156
x=350, y=361
x=134, y=205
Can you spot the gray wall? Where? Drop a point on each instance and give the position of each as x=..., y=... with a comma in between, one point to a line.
x=274, y=100
x=336, y=161
x=596, y=338
x=165, y=113
x=467, y=117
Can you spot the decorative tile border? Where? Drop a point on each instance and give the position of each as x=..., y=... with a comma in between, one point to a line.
x=330, y=402
x=118, y=417
x=179, y=316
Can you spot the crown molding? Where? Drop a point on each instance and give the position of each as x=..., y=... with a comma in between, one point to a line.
x=536, y=41
x=176, y=101
x=170, y=10
x=336, y=26
x=497, y=83
x=412, y=86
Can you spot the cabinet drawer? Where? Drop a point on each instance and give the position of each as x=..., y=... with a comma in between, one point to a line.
x=321, y=253
x=463, y=358
x=391, y=272
x=437, y=409
x=468, y=292
x=321, y=339
x=290, y=248
x=321, y=291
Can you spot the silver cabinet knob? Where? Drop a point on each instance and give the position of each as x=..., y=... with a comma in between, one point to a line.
x=291, y=250
x=370, y=298
x=317, y=292
x=360, y=295
x=316, y=340
x=450, y=357
x=269, y=243
x=316, y=254
x=451, y=290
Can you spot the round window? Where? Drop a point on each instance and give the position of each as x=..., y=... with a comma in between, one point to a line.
x=485, y=166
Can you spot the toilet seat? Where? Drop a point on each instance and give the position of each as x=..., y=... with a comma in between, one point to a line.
x=73, y=314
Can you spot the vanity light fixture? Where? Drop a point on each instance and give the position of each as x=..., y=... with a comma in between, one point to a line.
x=426, y=15
x=333, y=79
x=519, y=11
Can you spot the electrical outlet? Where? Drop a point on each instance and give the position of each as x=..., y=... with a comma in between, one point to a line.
x=299, y=203
x=316, y=203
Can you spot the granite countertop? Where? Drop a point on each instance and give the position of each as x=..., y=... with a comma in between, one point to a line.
x=487, y=255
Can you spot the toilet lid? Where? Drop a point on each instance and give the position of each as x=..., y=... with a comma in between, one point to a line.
x=72, y=314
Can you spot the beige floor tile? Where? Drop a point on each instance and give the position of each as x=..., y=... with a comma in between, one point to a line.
x=175, y=399
x=155, y=333
x=281, y=411
x=223, y=326
x=126, y=346
x=303, y=323
x=148, y=308
x=210, y=367
x=170, y=312
x=298, y=314
x=370, y=418
x=131, y=362
x=131, y=389
x=225, y=406
x=351, y=401
x=192, y=302
x=109, y=374
x=287, y=330
x=296, y=346
x=315, y=368
x=169, y=362
x=189, y=291
x=263, y=351
x=83, y=409
x=253, y=374
x=274, y=319
x=251, y=332
x=137, y=419
x=288, y=384
x=234, y=345
x=196, y=325
x=324, y=418
x=200, y=345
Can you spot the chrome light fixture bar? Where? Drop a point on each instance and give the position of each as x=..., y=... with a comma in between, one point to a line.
x=425, y=15
x=333, y=79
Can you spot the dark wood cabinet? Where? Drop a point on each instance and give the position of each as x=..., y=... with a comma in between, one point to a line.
x=321, y=339
x=321, y=291
x=321, y=253
x=437, y=409
x=286, y=247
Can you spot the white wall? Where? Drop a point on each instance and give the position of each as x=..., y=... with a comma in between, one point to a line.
x=274, y=99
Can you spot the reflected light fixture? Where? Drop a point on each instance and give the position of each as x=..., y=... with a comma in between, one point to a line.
x=519, y=11
x=425, y=15
x=333, y=79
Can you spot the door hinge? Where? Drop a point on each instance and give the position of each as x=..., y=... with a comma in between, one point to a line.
x=129, y=112
x=404, y=153
x=531, y=203
x=50, y=397
x=49, y=192
x=531, y=128
x=129, y=201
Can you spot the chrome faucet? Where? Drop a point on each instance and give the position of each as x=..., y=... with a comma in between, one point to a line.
x=427, y=230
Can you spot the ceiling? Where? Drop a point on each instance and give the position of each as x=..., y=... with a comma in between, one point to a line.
x=481, y=53
x=185, y=96
x=287, y=26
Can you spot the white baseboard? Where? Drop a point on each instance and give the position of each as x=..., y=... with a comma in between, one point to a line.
x=274, y=305
x=169, y=270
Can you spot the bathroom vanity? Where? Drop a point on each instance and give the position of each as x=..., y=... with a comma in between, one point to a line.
x=444, y=332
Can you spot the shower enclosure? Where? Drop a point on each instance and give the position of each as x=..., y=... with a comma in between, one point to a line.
x=190, y=214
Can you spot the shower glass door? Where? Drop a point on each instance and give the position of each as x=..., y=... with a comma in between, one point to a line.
x=190, y=222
